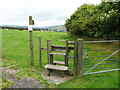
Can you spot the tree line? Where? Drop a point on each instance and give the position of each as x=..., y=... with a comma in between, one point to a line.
x=96, y=21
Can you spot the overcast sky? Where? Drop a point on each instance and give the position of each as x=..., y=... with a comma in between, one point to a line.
x=44, y=12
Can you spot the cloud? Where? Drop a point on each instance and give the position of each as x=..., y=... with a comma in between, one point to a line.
x=44, y=12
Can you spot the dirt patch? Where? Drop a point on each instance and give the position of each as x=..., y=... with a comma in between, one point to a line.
x=21, y=82
x=8, y=70
x=55, y=77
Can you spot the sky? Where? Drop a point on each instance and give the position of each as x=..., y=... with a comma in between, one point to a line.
x=44, y=12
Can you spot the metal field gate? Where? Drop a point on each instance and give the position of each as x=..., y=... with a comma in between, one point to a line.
x=104, y=60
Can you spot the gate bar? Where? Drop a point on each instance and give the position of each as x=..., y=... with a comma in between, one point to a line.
x=103, y=60
x=101, y=71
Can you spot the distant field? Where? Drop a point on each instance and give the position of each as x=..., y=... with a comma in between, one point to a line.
x=16, y=55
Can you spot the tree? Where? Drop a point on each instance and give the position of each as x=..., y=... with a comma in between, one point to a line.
x=101, y=21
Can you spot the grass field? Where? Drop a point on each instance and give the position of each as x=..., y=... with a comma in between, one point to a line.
x=16, y=55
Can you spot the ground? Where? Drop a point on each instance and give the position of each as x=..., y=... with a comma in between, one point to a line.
x=19, y=82
x=26, y=82
x=55, y=77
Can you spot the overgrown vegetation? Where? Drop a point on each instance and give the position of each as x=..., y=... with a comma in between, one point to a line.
x=97, y=21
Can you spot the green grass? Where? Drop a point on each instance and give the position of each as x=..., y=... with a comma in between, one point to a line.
x=6, y=83
x=16, y=55
x=103, y=80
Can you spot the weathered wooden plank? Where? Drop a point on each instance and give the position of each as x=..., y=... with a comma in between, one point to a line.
x=71, y=42
x=58, y=50
x=58, y=54
x=55, y=67
x=62, y=47
x=39, y=51
x=58, y=47
x=59, y=62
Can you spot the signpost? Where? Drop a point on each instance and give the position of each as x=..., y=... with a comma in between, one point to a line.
x=30, y=29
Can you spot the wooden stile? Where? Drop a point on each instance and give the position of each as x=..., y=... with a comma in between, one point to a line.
x=58, y=54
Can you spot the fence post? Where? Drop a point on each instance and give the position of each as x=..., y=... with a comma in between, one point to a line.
x=39, y=51
x=75, y=57
x=31, y=42
x=49, y=47
x=78, y=57
x=66, y=56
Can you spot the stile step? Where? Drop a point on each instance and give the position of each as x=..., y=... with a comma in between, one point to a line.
x=59, y=50
x=58, y=54
x=59, y=62
x=55, y=67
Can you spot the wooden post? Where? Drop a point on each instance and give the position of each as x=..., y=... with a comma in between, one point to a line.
x=31, y=43
x=49, y=47
x=51, y=59
x=66, y=56
x=75, y=57
x=39, y=51
x=78, y=57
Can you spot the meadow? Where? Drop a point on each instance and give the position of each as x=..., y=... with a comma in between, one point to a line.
x=16, y=55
